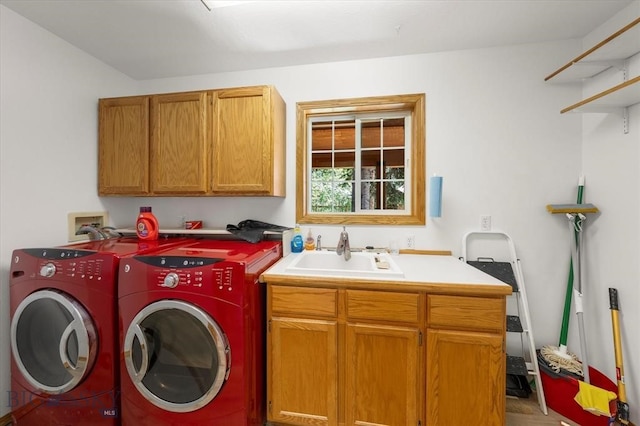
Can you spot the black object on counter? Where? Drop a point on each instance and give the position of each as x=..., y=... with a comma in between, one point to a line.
x=253, y=230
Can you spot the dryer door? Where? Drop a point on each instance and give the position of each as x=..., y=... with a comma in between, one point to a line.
x=176, y=355
x=53, y=341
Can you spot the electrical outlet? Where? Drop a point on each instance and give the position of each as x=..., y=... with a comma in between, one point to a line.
x=411, y=241
x=485, y=223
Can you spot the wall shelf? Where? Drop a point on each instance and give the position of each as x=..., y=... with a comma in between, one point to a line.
x=610, y=52
x=618, y=97
x=614, y=51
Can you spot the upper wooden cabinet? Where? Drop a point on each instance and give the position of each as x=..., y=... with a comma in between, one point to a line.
x=123, y=146
x=203, y=143
x=179, y=143
x=248, y=142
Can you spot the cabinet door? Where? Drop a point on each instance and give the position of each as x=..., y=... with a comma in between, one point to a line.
x=248, y=142
x=179, y=148
x=302, y=372
x=465, y=378
x=382, y=375
x=123, y=146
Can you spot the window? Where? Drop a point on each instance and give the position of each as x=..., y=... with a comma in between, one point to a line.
x=361, y=161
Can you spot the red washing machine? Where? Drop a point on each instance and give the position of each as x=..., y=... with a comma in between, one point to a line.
x=193, y=334
x=64, y=338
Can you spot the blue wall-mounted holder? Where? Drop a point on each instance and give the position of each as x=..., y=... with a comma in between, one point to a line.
x=435, y=196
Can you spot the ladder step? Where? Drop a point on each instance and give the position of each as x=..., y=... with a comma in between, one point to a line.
x=516, y=365
x=518, y=370
x=500, y=270
x=513, y=324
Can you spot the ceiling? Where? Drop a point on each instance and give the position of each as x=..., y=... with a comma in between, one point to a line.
x=148, y=39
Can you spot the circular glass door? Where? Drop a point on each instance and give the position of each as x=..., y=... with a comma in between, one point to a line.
x=176, y=355
x=53, y=341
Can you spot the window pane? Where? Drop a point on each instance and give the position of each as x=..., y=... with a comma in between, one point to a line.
x=332, y=197
x=370, y=161
x=346, y=161
x=322, y=197
x=344, y=192
x=394, y=164
x=393, y=132
x=344, y=134
x=369, y=196
x=333, y=134
x=371, y=133
x=394, y=195
x=319, y=161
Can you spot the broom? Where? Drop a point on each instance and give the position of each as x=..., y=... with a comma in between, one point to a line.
x=558, y=357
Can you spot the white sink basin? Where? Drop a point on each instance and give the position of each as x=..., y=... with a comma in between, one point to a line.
x=329, y=263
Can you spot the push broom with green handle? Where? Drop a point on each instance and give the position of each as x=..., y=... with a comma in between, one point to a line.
x=558, y=357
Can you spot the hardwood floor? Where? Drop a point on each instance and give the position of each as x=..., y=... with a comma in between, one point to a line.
x=526, y=412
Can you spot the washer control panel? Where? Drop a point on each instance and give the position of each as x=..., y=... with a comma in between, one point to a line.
x=57, y=263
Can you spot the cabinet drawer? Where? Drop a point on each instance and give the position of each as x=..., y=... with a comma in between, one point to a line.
x=302, y=300
x=473, y=313
x=383, y=306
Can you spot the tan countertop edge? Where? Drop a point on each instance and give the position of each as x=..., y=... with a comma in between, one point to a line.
x=367, y=284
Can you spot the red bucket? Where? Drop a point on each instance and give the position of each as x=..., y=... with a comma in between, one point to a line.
x=560, y=391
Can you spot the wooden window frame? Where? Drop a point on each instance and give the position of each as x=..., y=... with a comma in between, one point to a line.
x=415, y=103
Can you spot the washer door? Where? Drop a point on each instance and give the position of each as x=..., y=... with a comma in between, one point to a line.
x=176, y=355
x=53, y=341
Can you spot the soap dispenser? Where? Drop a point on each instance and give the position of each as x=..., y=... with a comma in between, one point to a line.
x=309, y=243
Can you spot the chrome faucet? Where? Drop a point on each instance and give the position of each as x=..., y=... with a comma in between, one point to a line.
x=343, y=244
x=319, y=243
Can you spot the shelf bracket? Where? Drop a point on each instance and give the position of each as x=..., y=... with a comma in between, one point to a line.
x=623, y=112
x=619, y=64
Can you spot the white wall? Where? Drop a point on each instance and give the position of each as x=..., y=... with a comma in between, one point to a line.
x=493, y=131
x=611, y=162
x=48, y=124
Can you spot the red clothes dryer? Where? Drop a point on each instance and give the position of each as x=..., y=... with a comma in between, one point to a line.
x=193, y=334
x=64, y=331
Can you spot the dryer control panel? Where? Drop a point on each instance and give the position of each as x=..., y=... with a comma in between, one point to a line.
x=189, y=273
x=82, y=266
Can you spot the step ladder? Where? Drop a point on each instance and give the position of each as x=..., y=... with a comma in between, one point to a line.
x=499, y=260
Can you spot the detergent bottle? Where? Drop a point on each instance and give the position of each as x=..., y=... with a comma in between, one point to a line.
x=147, y=225
x=297, y=243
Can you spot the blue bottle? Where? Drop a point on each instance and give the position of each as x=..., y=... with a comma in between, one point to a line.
x=297, y=243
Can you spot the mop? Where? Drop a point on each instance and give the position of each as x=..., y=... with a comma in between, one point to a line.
x=559, y=358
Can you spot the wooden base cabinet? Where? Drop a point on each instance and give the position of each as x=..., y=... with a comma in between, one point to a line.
x=355, y=356
x=343, y=357
x=465, y=383
x=466, y=360
x=304, y=354
x=382, y=375
x=201, y=143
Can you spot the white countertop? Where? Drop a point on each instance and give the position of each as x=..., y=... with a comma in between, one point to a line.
x=419, y=270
